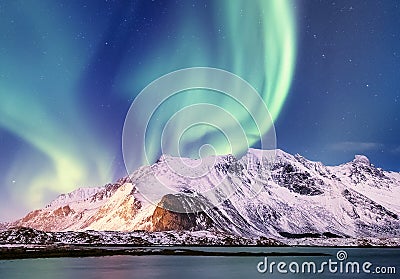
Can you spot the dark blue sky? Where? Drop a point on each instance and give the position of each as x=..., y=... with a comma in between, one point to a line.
x=345, y=97
x=70, y=70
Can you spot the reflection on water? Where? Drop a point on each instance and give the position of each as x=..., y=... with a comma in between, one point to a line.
x=192, y=267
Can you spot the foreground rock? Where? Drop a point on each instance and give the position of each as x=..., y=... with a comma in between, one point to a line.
x=28, y=236
x=24, y=237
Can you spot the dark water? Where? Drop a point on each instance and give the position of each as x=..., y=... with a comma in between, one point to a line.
x=193, y=267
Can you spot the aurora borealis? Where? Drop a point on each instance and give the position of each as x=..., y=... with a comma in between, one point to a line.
x=69, y=71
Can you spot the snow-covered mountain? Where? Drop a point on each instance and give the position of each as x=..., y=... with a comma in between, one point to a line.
x=264, y=193
x=3, y=226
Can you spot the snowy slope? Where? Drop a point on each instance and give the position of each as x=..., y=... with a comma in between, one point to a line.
x=3, y=226
x=264, y=193
x=80, y=195
x=70, y=211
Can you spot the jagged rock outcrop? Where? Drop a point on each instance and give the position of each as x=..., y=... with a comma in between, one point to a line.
x=171, y=214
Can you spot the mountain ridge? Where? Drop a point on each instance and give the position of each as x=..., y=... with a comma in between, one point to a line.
x=265, y=193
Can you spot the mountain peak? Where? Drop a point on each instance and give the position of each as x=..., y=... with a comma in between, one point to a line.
x=258, y=153
x=362, y=159
x=269, y=152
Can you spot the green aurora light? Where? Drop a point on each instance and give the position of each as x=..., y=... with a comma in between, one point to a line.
x=46, y=53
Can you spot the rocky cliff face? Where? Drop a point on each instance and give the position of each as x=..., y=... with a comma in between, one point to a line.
x=176, y=218
x=256, y=195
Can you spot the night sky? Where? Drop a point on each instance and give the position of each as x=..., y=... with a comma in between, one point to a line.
x=69, y=71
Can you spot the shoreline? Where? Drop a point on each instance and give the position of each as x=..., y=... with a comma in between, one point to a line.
x=15, y=253
x=34, y=251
